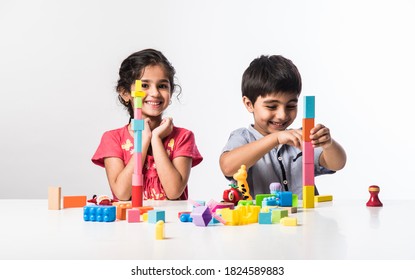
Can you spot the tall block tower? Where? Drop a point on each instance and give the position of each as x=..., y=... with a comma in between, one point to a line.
x=308, y=152
x=137, y=125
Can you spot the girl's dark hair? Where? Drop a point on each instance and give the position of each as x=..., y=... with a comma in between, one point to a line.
x=270, y=74
x=132, y=69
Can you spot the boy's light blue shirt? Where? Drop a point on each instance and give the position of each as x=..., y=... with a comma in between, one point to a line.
x=282, y=164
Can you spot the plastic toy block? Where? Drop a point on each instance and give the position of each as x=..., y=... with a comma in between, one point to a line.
x=122, y=209
x=160, y=230
x=137, y=141
x=242, y=183
x=264, y=218
x=248, y=214
x=156, y=215
x=137, y=124
x=221, y=205
x=295, y=200
x=291, y=210
x=185, y=217
x=54, y=198
x=308, y=196
x=374, y=200
x=201, y=216
x=145, y=217
x=308, y=174
x=99, y=213
x=323, y=198
x=308, y=152
x=278, y=214
x=245, y=202
x=275, y=187
x=199, y=203
x=269, y=201
x=138, y=114
x=138, y=90
x=133, y=215
x=260, y=197
x=145, y=209
x=308, y=124
x=284, y=199
x=138, y=102
x=309, y=107
x=231, y=217
x=74, y=201
x=288, y=221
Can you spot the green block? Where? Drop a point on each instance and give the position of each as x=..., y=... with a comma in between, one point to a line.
x=295, y=200
x=277, y=215
x=245, y=202
x=138, y=102
x=260, y=197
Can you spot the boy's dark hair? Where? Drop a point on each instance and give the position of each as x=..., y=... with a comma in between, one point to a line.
x=132, y=69
x=270, y=74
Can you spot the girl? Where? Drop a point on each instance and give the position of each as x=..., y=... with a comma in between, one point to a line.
x=168, y=152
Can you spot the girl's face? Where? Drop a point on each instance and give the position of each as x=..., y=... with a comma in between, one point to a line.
x=158, y=92
x=274, y=112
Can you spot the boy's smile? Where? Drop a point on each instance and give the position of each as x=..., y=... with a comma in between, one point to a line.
x=274, y=112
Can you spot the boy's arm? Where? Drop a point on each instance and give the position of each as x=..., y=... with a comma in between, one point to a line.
x=250, y=153
x=333, y=156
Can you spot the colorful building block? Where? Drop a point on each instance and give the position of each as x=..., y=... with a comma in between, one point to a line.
x=133, y=215
x=278, y=214
x=288, y=221
x=156, y=215
x=242, y=183
x=323, y=198
x=308, y=124
x=201, y=216
x=99, y=213
x=284, y=199
x=260, y=197
x=264, y=218
x=308, y=174
x=309, y=107
x=159, y=230
x=54, y=198
x=308, y=196
x=121, y=212
x=308, y=152
x=74, y=201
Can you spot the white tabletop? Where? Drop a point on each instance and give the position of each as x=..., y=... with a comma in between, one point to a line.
x=332, y=230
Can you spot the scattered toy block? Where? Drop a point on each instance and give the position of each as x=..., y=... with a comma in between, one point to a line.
x=284, y=199
x=260, y=197
x=156, y=215
x=133, y=215
x=248, y=214
x=288, y=221
x=231, y=216
x=185, y=217
x=295, y=200
x=291, y=210
x=269, y=201
x=99, y=213
x=323, y=198
x=221, y=205
x=159, y=230
x=122, y=209
x=145, y=209
x=145, y=217
x=374, y=200
x=245, y=202
x=278, y=214
x=201, y=215
x=54, y=198
x=74, y=201
x=264, y=218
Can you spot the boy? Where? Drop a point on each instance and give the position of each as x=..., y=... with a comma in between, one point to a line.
x=271, y=86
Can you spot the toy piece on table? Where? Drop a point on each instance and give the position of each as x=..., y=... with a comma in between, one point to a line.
x=75, y=201
x=275, y=187
x=133, y=215
x=323, y=198
x=233, y=194
x=308, y=152
x=288, y=221
x=160, y=230
x=185, y=217
x=54, y=198
x=204, y=214
x=243, y=186
x=99, y=213
x=156, y=215
x=101, y=200
x=374, y=200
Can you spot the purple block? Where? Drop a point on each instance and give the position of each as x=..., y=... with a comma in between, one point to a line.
x=201, y=216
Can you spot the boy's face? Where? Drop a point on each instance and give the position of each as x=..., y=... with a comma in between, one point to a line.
x=274, y=112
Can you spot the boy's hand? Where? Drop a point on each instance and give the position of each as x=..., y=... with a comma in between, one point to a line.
x=320, y=136
x=290, y=137
x=164, y=129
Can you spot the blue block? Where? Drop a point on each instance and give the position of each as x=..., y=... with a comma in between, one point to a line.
x=309, y=107
x=269, y=201
x=99, y=213
x=138, y=141
x=137, y=124
x=264, y=218
x=284, y=199
x=156, y=215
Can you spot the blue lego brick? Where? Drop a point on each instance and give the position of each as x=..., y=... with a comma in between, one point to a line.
x=156, y=215
x=99, y=213
x=137, y=124
x=284, y=199
x=264, y=218
x=269, y=201
x=138, y=141
x=185, y=218
x=309, y=107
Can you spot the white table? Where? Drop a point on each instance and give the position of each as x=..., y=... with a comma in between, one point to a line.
x=333, y=230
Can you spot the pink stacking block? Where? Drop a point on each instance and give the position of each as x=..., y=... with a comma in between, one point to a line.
x=308, y=174
x=137, y=180
x=308, y=152
x=133, y=215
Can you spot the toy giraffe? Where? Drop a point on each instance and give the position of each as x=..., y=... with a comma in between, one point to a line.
x=243, y=187
x=137, y=125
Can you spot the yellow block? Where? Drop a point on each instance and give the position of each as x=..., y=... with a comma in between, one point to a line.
x=160, y=230
x=138, y=92
x=323, y=198
x=288, y=221
x=308, y=196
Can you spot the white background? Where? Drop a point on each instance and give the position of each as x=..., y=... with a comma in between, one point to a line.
x=59, y=64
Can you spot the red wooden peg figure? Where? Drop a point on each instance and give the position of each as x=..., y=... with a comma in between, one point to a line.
x=374, y=198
